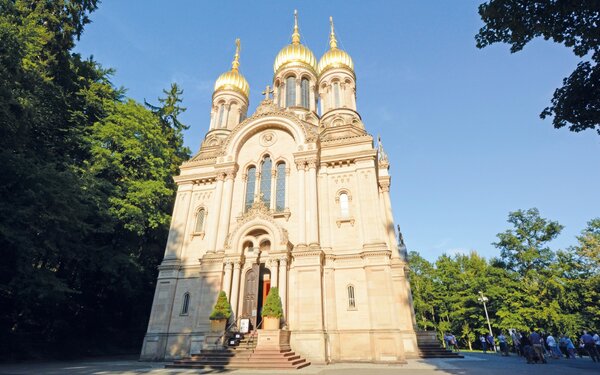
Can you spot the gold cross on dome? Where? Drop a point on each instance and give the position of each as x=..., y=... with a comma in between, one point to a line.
x=267, y=92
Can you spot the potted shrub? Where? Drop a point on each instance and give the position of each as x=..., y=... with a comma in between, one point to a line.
x=272, y=310
x=221, y=312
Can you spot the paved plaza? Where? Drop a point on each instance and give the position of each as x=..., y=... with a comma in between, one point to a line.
x=473, y=363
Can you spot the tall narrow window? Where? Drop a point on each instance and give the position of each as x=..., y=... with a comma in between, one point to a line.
x=221, y=110
x=351, y=299
x=344, y=206
x=290, y=92
x=336, y=94
x=186, y=304
x=251, y=182
x=200, y=221
x=304, y=98
x=265, y=181
x=280, y=192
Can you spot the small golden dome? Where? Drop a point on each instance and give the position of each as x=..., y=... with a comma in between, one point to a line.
x=233, y=80
x=295, y=53
x=335, y=57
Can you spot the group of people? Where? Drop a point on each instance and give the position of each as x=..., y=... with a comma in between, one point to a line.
x=535, y=347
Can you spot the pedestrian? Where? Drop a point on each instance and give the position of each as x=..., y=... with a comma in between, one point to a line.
x=516, y=339
x=483, y=343
x=536, y=343
x=553, y=347
x=447, y=339
x=526, y=348
x=454, y=343
x=570, y=347
x=503, y=344
x=596, y=338
x=590, y=346
x=490, y=341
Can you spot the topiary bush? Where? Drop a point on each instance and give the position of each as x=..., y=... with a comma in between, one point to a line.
x=272, y=307
x=222, y=309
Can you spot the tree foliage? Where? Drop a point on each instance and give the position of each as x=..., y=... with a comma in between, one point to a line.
x=86, y=180
x=528, y=285
x=569, y=22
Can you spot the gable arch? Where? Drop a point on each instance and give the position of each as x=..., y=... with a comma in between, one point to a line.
x=245, y=130
x=276, y=235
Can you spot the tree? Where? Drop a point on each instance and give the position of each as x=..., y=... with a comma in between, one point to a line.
x=523, y=249
x=573, y=23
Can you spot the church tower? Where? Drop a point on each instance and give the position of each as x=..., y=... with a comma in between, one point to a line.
x=295, y=196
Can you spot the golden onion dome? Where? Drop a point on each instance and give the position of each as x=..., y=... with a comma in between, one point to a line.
x=295, y=53
x=335, y=57
x=233, y=80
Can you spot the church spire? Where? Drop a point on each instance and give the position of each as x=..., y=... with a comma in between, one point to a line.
x=236, y=59
x=332, y=40
x=296, y=34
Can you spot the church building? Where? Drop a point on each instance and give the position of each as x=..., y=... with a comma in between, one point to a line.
x=295, y=195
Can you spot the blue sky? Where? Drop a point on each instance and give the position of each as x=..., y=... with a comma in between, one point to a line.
x=461, y=125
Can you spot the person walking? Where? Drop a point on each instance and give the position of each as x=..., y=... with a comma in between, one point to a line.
x=454, y=343
x=516, y=340
x=590, y=346
x=490, y=341
x=483, y=343
x=503, y=344
x=536, y=343
x=553, y=347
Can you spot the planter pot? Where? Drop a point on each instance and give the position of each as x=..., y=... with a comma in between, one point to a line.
x=271, y=323
x=218, y=325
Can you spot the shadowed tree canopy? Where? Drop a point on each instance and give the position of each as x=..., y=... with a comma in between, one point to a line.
x=574, y=23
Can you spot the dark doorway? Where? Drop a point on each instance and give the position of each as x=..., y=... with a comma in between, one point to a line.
x=257, y=281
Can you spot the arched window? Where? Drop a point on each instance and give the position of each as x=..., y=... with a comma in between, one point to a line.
x=290, y=91
x=304, y=94
x=336, y=94
x=251, y=182
x=221, y=110
x=186, y=304
x=265, y=181
x=351, y=299
x=280, y=188
x=344, y=205
x=200, y=221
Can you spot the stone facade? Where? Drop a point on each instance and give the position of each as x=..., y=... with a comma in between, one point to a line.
x=293, y=196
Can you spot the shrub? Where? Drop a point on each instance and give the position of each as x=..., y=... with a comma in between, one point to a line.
x=272, y=307
x=222, y=309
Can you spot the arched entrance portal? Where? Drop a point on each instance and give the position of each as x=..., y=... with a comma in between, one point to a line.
x=257, y=279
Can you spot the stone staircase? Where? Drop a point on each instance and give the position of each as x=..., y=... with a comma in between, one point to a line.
x=430, y=347
x=243, y=355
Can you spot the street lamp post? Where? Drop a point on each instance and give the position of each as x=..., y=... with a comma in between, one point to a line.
x=483, y=299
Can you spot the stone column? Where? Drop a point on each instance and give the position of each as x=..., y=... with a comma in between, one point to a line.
x=225, y=213
x=216, y=209
x=212, y=118
x=311, y=99
x=301, y=204
x=385, y=188
x=353, y=97
x=235, y=289
x=298, y=92
x=227, y=279
x=274, y=272
x=227, y=110
x=313, y=230
x=283, y=285
x=281, y=95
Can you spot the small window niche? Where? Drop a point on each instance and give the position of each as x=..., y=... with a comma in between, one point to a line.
x=351, y=298
x=185, y=306
x=343, y=200
x=199, y=223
